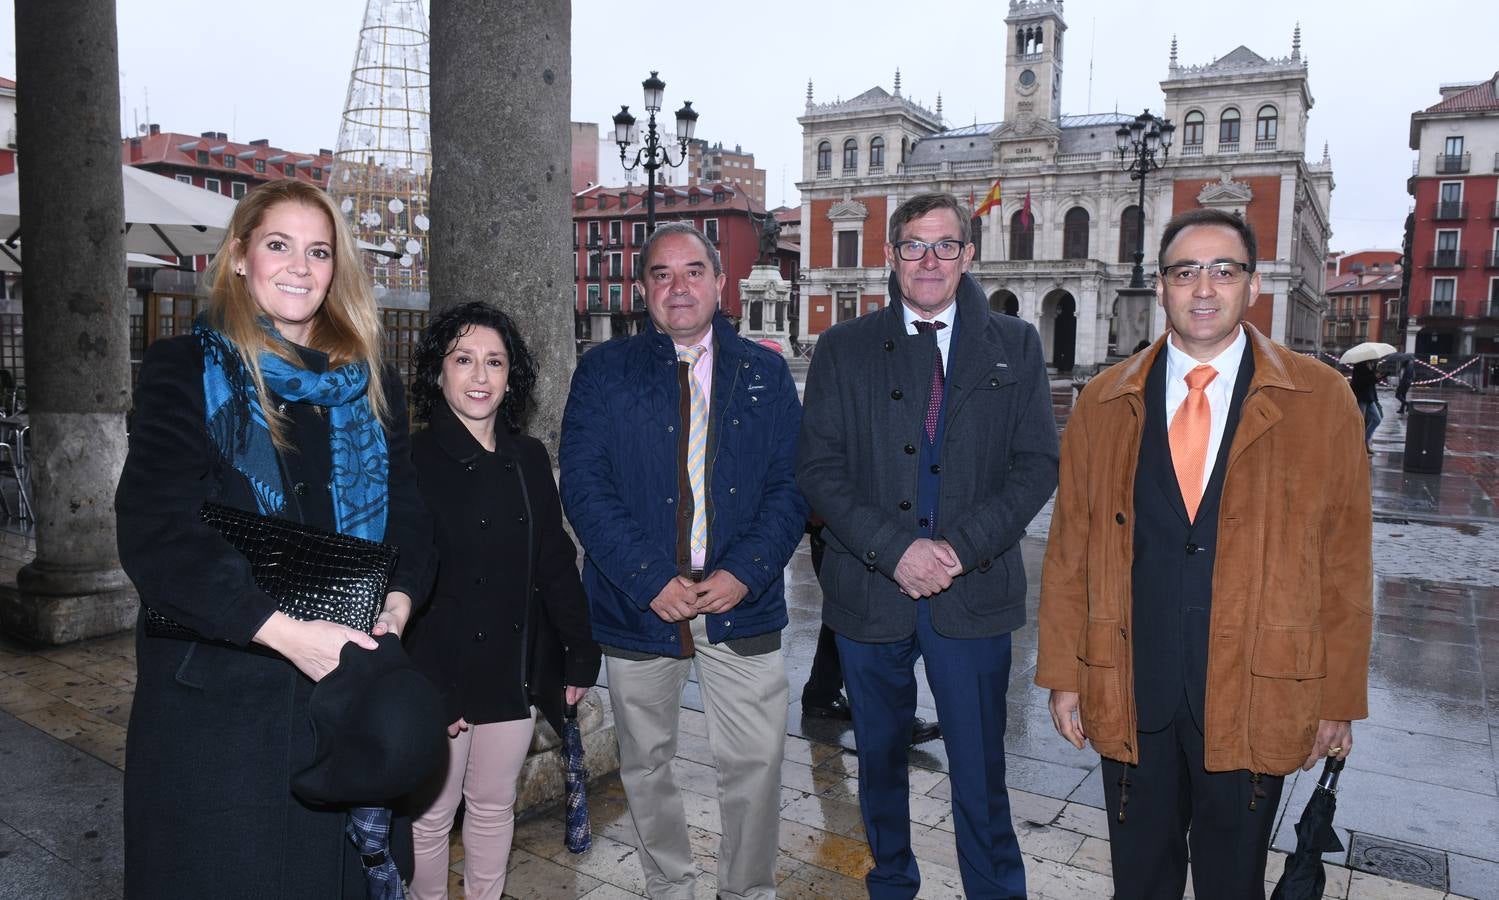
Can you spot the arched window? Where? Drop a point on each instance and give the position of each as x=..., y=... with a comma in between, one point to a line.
x=824, y=158
x=850, y=156
x=976, y=234
x=1022, y=236
x=1129, y=232
x=1075, y=234
x=876, y=154
x=1192, y=129
x=1265, y=126
x=1228, y=126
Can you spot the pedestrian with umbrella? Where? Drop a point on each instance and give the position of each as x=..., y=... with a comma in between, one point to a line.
x=508, y=628
x=1304, y=878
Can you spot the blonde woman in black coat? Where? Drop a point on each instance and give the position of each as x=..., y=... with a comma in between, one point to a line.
x=507, y=627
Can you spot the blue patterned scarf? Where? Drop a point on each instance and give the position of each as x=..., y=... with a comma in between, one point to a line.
x=238, y=426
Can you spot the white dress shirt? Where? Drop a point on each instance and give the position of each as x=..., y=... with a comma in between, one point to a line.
x=1219, y=392
x=944, y=335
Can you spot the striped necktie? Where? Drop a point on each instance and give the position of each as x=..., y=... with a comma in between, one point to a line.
x=934, y=396
x=1188, y=437
x=697, y=448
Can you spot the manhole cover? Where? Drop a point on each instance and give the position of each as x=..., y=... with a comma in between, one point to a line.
x=1390, y=858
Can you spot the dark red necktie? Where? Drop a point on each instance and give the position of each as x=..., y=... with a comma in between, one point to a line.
x=934, y=400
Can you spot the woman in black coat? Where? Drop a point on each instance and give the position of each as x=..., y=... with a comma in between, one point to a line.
x=507, y=627
x=277, y=403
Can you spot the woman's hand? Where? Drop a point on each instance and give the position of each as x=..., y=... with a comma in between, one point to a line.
x=393, y=617
x=312, y=646
x=574, y=695
x=457, y=727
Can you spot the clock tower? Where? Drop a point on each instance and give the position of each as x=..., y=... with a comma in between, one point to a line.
x=1033, y=61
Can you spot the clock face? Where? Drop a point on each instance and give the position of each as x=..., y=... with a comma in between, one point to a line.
x=1027, y=78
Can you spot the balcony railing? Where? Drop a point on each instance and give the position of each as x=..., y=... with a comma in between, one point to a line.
x=1448, y=259
x=1226, y=147
x=1442, y=308
x=1264, y=146
x=1449, y=209
x=1453, y=164
x=1192, y=150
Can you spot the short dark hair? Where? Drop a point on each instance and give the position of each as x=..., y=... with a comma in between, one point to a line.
x=668, y=228
x=438, y=338
x=921, y=204
x=1207, y=216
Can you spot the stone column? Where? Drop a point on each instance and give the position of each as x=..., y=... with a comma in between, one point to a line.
x=501, y=183
x=77, y=326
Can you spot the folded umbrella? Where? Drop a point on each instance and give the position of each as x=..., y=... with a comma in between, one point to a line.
x=575, y=775
x=369, y=828
x=1304, y=877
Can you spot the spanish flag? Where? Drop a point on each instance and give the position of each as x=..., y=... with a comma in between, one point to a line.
x=991, y=199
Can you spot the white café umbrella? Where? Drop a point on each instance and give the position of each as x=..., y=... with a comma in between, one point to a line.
x=10, y=260
x=1368, y=350
x=163, y=216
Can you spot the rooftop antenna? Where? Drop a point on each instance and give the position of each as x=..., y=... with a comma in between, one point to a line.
x=1092, y=42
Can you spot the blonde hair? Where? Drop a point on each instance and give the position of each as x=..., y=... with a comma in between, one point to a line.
x=346, y=326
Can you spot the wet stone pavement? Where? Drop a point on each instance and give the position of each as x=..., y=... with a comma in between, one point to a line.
x=1419, y=800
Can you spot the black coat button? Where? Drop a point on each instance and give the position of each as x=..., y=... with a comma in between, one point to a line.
x=1192, y=548
x=1119, y=517
x=481, y=637
x=870, y=555
x=509, y=466
x=910, y=449
x=921, y=521
x=300, y=488
x=896, y=394
x=483, y=523
x=515, y=628
x=905, y=504
x=986, y=565
x=936, y=470
x=469, y=467
x=870, y=568
x=889, y=346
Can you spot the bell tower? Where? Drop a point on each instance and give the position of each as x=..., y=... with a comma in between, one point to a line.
x=1033, y=61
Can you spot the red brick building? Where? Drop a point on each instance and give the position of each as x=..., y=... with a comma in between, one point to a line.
x=1363, y=304
x=213, y=162
x=609, y=225
x=1454, y=248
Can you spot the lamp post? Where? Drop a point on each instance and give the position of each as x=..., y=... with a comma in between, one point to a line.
x=652, y=154
x=1144, y=145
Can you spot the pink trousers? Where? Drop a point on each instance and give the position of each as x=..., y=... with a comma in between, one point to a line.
x=483, y=765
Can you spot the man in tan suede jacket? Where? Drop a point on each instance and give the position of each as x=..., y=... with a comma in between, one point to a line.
x=1206, y=597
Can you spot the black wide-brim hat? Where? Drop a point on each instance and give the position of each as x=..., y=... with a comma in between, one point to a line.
x=377, y=728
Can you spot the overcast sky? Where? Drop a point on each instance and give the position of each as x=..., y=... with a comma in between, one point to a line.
x=199, y=67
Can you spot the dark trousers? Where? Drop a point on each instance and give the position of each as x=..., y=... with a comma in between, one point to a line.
x=969, y=679
x=1173, y=805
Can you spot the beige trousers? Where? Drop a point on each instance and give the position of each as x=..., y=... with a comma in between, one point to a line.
x=745, y=701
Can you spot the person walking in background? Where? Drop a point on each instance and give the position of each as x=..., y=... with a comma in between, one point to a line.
x=507, y=628
x=928, y=446
x=1206, y=599
x=1403, y=386
x=277, y=403
x=678, y=450
x=1364, y=381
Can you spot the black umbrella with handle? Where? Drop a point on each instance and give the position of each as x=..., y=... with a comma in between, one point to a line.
x=1304, y=877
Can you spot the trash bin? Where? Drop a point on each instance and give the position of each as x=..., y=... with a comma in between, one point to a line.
x=1425, y=436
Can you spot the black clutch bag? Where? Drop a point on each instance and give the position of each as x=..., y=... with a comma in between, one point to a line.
x=311, y=573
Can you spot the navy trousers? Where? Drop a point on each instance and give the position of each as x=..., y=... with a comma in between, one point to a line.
x=969, y=679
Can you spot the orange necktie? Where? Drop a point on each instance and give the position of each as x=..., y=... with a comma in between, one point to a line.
x=1188, y=436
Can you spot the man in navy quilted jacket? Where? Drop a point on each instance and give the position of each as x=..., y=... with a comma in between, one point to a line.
x=678, y=474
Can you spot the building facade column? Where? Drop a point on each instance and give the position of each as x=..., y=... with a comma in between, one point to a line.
x=77, y=340
x=501, y=102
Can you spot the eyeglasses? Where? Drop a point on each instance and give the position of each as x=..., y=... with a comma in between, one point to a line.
x=1186, y=274
x=915, y=251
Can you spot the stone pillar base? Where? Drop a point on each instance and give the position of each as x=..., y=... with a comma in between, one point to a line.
x=541, y=779
x=31, y=613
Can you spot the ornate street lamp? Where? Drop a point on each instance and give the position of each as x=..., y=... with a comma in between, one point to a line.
x=652, y=154
x=1144, y=145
